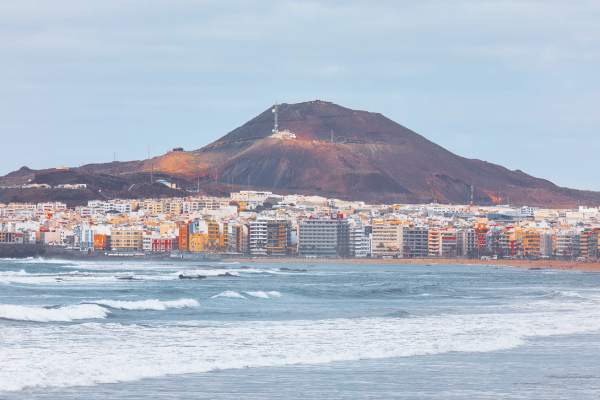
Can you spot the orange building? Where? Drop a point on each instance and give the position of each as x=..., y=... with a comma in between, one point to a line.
x=184, y=236
x=101, y=242
x=198, y=242
x=211, y=236
x=531, y=244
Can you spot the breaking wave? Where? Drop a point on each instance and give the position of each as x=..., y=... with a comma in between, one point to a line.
x=127, y=352
x=258, y=294
x=14, y=273
x=263, y=295
x=228, y=293
x=62, y=314
x=565, y=294
x=152, y=304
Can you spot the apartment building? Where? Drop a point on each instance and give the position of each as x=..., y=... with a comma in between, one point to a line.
x=163, y=244
x=101, y=242
x=270, y=237
x=387, y=239
x=120, y=207
x=173, y=207
x=465, y=240
x=324, y=237
x=208, y=236
x=184, y=236
x=126, y=240
x=546, y=245
x=442, y=243
x=588, y=243
x=415, y=242
x=566, y=243
x=86, y=238
x=531, y=244
x=11, y=237
x=249, y=195
x=212, y=203
x=360, y=240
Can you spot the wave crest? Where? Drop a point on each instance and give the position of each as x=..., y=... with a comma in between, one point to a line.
x=14, y=273
x=228, y=293
x=151, y=304
x=62, y=314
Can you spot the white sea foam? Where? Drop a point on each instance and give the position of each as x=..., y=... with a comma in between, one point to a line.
x=565, y=294
x=93, y=353
x=63, y=314
x=25, y=273
x=228, y=293
x=263, y=295
x=377, y=284
x=259, y=294
x=39, y=260
x=148, y=304
x=203, y=272
x=13, y=273
x=73, y=277
x=121, y=265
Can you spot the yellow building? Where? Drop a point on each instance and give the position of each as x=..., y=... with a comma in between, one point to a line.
x=198, y=242
x=211, y=236
x=213, y=203
x=173, y=207
x=126, y=240
x=156, y=208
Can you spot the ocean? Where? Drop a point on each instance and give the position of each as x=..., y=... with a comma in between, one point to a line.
x=128, y=329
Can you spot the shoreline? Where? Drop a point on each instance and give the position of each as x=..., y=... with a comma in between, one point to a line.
x=524, y=264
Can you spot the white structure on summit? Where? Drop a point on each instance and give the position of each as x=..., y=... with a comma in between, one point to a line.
x=286, y=134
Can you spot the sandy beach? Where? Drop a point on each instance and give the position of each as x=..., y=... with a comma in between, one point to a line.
x=541, y=264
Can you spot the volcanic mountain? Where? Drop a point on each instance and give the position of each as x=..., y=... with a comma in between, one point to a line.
x=349, y=154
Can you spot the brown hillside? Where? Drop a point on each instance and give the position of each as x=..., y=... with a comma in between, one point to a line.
x=372, y=158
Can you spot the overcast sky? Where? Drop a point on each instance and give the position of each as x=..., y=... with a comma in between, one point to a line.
x=515, y=83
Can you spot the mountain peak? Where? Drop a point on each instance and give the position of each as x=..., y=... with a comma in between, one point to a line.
x=317, y=119
x=372, y=158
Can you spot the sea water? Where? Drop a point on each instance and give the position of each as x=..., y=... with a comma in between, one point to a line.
x=133, y=329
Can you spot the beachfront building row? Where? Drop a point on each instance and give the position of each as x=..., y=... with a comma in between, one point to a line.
x=320, y=237
x=262, y=224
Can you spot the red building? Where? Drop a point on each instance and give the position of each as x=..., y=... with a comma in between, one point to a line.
x=164, y=245
x=481, y=236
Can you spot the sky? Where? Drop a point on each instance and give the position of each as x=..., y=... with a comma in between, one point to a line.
x=516, y=83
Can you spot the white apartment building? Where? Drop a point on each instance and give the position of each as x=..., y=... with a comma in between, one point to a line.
x=360, y=241
x=246, y=195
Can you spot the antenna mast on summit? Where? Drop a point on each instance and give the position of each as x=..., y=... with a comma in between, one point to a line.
x=276, y=129
x=471, y=195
